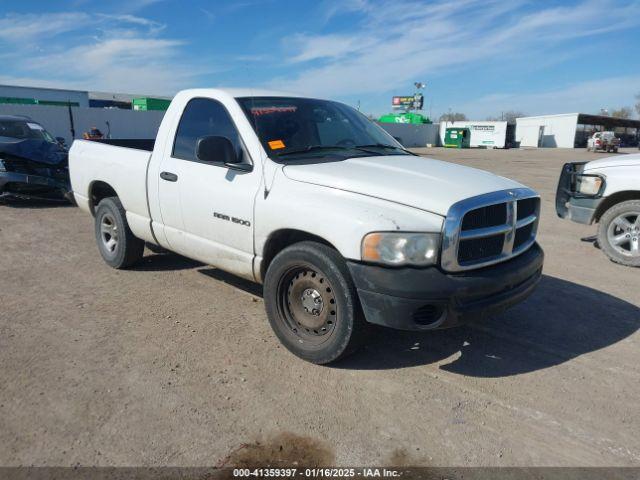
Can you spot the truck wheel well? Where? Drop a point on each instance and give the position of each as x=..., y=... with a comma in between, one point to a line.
x=611, y=200
x=98, y=191
x=281, y=239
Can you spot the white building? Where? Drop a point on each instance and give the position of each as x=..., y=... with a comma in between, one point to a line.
x=571, y=130
x=483, y=134
x=547, y=130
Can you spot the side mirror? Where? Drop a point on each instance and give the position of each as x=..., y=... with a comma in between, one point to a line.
x=216, y=149
x=61, y=141
x=213, y=148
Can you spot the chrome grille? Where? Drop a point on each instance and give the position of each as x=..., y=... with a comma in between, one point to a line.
x=490, y=228
x=488, y=216
x=474, y=249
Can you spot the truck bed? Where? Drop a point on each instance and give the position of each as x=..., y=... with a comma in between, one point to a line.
x=122, y=168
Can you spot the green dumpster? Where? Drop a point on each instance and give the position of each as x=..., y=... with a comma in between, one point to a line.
x=456, y=137
x=147, y=103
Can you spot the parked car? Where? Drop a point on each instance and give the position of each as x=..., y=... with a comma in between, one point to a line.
x=33, y=163
x=340, y=223
x=606, y=141
x=607, y=192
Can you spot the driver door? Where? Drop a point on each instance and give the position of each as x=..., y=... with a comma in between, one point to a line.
x=216, y=203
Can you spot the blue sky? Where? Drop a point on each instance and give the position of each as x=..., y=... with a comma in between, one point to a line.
x=479, y=57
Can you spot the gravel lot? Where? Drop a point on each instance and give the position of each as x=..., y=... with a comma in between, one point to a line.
x=174, y=363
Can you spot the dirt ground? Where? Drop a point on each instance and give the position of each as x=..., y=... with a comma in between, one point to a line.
x=174, y=363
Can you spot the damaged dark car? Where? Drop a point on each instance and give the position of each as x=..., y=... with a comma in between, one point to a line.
x=33, y=164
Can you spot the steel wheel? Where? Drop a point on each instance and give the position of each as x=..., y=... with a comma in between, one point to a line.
x=307, y=304
x=623, y=234
x=109, y=232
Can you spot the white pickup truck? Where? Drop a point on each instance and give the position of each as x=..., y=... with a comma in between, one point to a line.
x=605, y=141
x=607, y=192
x=341, y=224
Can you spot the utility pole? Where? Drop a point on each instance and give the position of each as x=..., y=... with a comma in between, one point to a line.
x=72, y=127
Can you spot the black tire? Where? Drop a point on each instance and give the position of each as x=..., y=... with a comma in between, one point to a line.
x=333, y=329
x=111, y=225
x=608, y=229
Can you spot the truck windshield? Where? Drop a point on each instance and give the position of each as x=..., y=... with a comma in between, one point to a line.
x=292, y=128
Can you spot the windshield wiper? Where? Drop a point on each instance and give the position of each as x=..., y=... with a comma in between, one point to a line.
x=385, y=146
x=312, y=148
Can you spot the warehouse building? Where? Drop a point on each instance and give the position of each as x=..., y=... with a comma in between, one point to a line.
x=110, y=100
x=19, y=95
x=127, y=101
x=571, y=130
x=43, y=96
x=71, y=113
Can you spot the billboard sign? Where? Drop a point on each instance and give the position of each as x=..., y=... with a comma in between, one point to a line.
x=408, y=102
x=402, y=102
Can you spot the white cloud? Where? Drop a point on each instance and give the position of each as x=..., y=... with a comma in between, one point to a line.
x=397, y=42
x=120, y=52
x=581, y=97
x=18, y=28
x=327, y=46
x=134, y=5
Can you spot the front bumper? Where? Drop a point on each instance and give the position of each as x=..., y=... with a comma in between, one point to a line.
x=581, y=210
x=570, y=204
x=428, y=298
x=26, y=181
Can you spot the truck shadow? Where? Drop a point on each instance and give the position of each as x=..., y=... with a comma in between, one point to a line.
x=560, y=321
x=32, y=203
x=159, y=262
x=236, y=282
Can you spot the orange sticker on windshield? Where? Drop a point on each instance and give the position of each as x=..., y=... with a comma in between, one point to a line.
x=276, y=144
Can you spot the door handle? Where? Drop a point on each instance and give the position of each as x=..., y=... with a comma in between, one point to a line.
x=169, y=177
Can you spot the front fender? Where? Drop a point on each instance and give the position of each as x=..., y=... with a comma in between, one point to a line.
x=339, y=217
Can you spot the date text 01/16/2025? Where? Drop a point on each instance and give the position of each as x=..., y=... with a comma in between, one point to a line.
x=317, y=472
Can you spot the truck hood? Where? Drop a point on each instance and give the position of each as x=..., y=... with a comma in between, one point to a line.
x=419, y=182
x=632, y=160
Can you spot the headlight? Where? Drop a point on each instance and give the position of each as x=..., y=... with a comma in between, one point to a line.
x=396, y=248
x=2, y=167
x=589, y=185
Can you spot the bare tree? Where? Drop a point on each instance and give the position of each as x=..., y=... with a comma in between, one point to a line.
x=509, y=116
x=638, y=103
x=453, y=117
x=622, y=112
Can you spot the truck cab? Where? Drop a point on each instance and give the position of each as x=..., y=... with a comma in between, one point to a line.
x=342, y=225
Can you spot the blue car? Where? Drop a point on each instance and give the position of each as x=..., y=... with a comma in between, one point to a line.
x=33, y=163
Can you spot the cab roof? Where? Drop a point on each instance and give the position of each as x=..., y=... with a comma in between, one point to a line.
x=242, y=92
